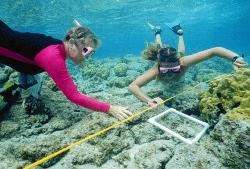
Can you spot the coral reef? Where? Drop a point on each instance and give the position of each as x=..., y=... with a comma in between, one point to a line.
x=121, y=69
x=35, y=128
x=227, y=95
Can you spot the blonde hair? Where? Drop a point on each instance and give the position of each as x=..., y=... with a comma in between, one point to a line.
x=157, y=53
x=151, y=52
x=82, y=35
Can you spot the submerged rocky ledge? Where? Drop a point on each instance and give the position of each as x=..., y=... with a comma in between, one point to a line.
x=33, y=129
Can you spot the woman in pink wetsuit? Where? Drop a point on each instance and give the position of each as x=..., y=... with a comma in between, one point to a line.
x=33, y=53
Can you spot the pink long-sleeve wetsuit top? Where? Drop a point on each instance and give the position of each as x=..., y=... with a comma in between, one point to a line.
x=33, y=53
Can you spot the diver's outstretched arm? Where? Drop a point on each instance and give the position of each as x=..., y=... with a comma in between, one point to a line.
x=216, y=51
x=140, y=81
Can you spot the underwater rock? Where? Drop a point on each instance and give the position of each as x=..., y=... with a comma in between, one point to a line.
x=229, y=95
x=123, y=159
x=227, y=146
x=14, y=77
x=133, y=73
x=150, y=155
x=42, y=147
x=32, y=117
x=2, y=105
x=155, y=93
x=146, y=132
x=8, y=70
x=51, y=84
x=100, y=150
x=86, y=153
x=18, y=123
x=5, y=73
x=3, y=77
x=187, y=103
x=121, y=82
x=154, y=155
x=8, y=128
x=231, y=142
x=139, y=65
x=205, y=74
x=35, y=106
x=57, y=123
x=193, y=157
x=95, y=69
x=8, y=159
x=26, y=138
x=121, y=69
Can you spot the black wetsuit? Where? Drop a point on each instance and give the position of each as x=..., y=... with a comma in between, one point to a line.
x=25, y=44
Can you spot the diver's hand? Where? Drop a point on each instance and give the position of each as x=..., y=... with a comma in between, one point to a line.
x=239, y=62
x=157, y=99
x=153, y=102
x=119, y=112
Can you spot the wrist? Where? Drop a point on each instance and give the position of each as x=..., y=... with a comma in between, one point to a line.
x=235, y=58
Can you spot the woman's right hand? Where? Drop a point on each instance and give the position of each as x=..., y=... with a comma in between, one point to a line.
x=153, y=102
x=120, y=112
x=239, y=62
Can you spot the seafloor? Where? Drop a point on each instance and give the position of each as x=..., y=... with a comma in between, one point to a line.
x=33, y=129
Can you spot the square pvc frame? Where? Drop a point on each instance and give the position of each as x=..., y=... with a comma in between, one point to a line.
x=172, y=110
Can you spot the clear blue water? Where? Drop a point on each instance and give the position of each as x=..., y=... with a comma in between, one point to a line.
x=121, y=24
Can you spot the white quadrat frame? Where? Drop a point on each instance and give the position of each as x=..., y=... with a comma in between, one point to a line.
x=172, y=110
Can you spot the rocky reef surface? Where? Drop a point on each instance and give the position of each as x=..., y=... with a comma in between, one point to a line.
x=34, y=128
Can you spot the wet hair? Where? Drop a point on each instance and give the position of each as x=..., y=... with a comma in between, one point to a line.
x=151, y=52
x=168, y=54
x=160, y=54
x=83, y=36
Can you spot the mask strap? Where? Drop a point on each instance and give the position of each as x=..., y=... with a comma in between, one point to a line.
x=77, y=23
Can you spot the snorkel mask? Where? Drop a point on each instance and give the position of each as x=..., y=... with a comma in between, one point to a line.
x=85, y=51
x=165, y=69
x=168, y=60
x=175, y=69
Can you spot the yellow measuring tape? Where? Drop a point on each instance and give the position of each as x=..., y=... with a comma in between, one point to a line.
x=108, y=128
